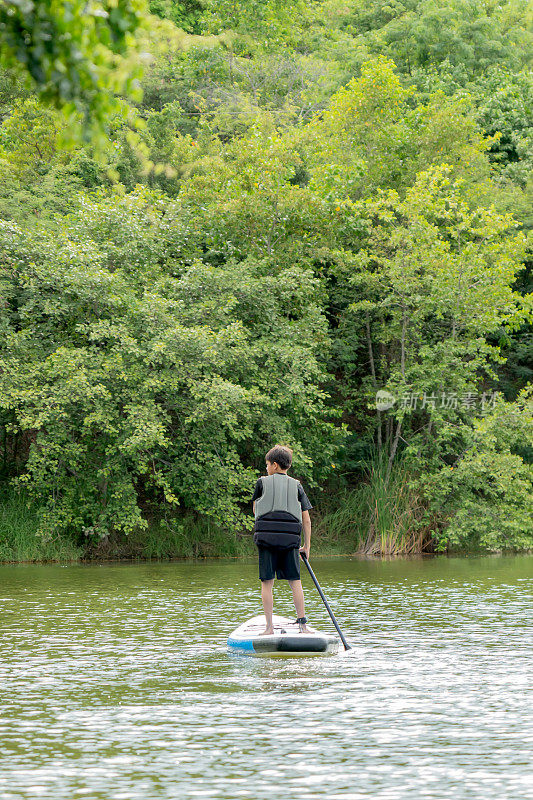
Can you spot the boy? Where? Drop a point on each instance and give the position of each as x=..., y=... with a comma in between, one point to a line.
x=281, y=507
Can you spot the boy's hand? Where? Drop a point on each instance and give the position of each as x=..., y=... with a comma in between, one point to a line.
x=304, y=551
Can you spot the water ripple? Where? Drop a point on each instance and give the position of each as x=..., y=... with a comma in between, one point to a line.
x=117, y=684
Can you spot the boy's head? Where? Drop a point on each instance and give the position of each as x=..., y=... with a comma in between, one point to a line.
x=278, y=459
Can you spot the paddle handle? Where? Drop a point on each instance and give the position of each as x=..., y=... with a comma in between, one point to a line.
x=324, y=600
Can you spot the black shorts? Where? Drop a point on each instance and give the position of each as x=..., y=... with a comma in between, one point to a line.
x=284, y=563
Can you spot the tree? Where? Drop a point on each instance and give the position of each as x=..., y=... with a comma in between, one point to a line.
x=378, y=133
x=144, y=374
x=484, y=500
x=79, y=56
x=429, y=278
x=467, y=36
x=87, y=59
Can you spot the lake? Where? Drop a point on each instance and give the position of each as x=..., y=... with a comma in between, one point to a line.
x=117, y=683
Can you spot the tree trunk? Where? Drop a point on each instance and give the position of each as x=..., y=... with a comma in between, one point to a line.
x=373, y=373
x=399, y=425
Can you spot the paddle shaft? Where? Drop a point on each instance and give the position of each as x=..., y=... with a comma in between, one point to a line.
x=324, y=600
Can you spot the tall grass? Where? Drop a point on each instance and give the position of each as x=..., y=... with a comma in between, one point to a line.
x=393, y=510
x=337, y=522
x=193, y=537
x=378, y=517
x=19, y=540
x=185, y=537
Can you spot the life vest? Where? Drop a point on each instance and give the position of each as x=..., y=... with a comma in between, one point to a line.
x=278, y=513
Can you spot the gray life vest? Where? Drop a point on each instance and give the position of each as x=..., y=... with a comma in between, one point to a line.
x=278, y=513
x=280, y=493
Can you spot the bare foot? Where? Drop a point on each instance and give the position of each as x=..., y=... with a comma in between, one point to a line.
x=267, y=632
x=303, y=628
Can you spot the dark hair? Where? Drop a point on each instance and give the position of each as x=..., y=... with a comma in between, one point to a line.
x=281, y=455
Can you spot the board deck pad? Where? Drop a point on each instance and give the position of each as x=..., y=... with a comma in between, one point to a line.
x=286, y=639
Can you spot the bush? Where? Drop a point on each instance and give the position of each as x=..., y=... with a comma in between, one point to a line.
x=486, y=498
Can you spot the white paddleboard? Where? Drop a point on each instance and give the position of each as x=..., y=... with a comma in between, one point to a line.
x=287, y=640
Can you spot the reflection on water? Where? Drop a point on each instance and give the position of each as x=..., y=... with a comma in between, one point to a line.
x=117, y=684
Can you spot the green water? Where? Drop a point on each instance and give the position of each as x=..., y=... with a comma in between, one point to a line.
x=117, y=684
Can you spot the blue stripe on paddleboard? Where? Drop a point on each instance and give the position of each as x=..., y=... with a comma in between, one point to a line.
x=241, y=644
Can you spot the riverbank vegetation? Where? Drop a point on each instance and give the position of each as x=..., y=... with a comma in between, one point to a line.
x=310, y=223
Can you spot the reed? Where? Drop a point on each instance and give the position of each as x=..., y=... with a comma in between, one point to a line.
x=394, y=510
x=19, y=540
x=378, y=517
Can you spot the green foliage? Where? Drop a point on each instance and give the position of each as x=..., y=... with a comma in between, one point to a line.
x=487, y=494
x=317, y=201
x=467, y=35
x=37, y=178
x=262, y=24
x=501, y=103
x=505, y=107
x=19, y=539
x=190, y=538
x=185, y=13
x=428, y=277
x=77, y=54
x=152, y=374
x=376, y=133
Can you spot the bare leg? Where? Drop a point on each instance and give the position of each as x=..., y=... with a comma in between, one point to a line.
x=299, y=603
x=268, y=605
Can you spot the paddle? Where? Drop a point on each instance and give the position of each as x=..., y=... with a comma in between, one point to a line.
x=323, y=596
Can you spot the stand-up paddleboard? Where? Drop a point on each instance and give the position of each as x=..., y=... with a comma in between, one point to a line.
x=285, y=641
